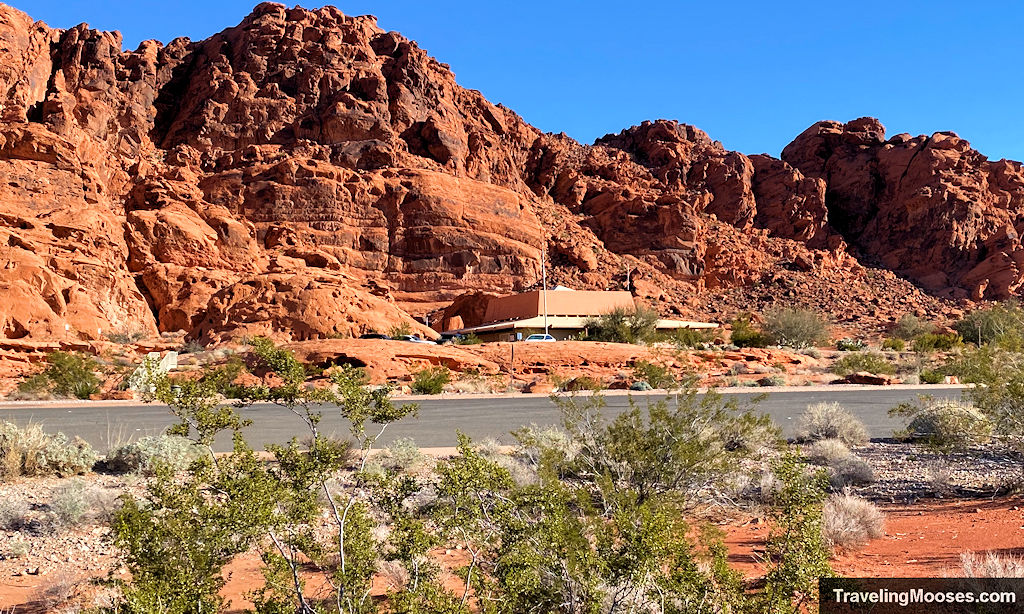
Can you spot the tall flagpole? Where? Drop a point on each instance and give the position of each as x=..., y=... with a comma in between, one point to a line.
x=544, y=278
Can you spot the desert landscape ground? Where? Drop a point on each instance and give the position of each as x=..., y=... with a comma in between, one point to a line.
x=307, y=213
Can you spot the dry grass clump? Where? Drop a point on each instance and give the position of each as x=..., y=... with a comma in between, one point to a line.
x=849, y=521
x=30, y=451
x=991, y=565
x=13, y=514
x=844, y=467
x=148, y=453
x=831, y=421
x=827, y=451
x=949, y=424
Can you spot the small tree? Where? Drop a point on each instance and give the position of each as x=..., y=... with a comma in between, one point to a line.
x=1002, y=321
x=621, y=325
x=67, y=375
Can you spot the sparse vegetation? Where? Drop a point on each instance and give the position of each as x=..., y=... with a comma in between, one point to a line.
x=911, y=327
x=656, y=376
x=30, y=451
x=13, y=514
x=991, y=565
x=691, y=337
x=431, y=380
x=145, y=456
x=126, y=337
x=827, y=451
x=929, y=376
x=850, y=345
x=745, y=334
x=67, y=375
x=794, y=327
x=830, y=421
x=944, y=424
x=621, y=325
x=1002, y=323
x=400, y=330
x=872, y=362
x=894, y=344
x=470, y=339
x=851, y=521
x=931, y=342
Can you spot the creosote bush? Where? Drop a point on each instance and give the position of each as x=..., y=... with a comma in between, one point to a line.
x=745, y=334
x=932, y=342
x=656, y=376
x=67, y=375
x=894, y=344
x=431, y=380
x=871, y=362
x=911, y=327
x=851, y=521
x=622, y=325
x=794, y=327
x=828, y=420
x=595, y=516
x=1002, y=323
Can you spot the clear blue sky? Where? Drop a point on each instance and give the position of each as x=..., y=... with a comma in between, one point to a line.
x=753, y=74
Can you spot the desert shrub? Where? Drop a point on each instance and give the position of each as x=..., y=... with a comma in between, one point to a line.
x=772, y=380
x=944, y=424
x=31, y=451
x=192, y=346
x=431, y=380
x=991, y=565
x=910, y=327
x=894, y=344
x=872, y=362
x=621, y=325
x=66, y=375
x=691, y=337
x=144, y=456
x=70, y=503
x=794, y=327
x=1002, y=320
x=850, y=345
x=581, y=383
x=849, y=471
x=13, y=514
x=929, y=376
x=849, y=521
x=656, y=376
x=470, y=339
x=830, y=421
x=745, y=334
x=400, y=330
x=126, y=337
x=401, y=454
x=931, y=342
x=826, y=451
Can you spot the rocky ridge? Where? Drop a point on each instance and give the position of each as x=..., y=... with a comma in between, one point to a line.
x=307, y=174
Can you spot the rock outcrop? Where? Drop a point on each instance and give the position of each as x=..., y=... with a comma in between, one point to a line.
x=307, y=174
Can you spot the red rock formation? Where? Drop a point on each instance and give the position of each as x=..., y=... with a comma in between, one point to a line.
x=306, y=174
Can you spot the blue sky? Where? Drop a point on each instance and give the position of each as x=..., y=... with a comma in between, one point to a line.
x=751, y=74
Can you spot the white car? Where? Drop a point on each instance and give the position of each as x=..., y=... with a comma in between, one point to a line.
x=540, y=337
x=416, y=339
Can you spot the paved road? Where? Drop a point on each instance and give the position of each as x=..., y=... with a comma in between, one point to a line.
x=439, y=418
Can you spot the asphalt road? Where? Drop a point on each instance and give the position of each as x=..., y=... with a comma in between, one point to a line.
x=105, y=424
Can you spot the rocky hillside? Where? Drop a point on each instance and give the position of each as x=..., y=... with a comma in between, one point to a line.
x=308, y=174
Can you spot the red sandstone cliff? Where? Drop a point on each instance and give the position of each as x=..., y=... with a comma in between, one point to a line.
x=307, y=174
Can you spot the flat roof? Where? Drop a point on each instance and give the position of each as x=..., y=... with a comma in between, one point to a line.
x=574, y=322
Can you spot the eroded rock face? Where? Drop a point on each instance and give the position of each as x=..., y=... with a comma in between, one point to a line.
x=930, y=208
x=306, y=174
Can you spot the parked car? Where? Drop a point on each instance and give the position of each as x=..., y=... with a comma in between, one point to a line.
x=540, y=337
x=416, y=339
x=375, y=336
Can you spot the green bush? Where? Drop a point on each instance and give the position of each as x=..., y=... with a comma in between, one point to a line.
x=794, y=327
x=66, y=376
x=944, y=424
x=621, y=325
x=400, y=330
x=470, y=339
x=932, y=377
x=745, y=335
x=146, y=455
x=983, y=326
x=850, y=345
x=30, y=451
x=691, y=337
x=581, y=383
x=895, y=344
x=772, y=380
x=830, y=421
x=931, y=342
x=911, y=327
x=656, y=376
x=872, y=362
x=431, y=380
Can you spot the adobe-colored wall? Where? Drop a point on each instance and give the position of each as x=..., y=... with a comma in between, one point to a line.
x=560, y=303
